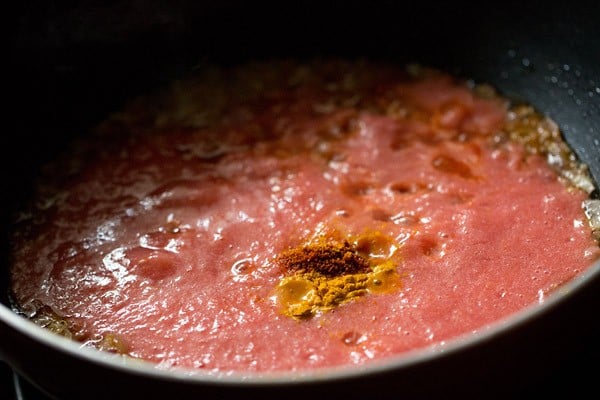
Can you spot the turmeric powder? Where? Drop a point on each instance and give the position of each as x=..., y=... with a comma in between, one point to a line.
x=327, y=274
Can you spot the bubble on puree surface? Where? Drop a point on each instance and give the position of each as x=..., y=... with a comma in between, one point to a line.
x=283, y=216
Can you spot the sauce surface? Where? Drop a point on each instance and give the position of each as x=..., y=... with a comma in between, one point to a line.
x=161, y=235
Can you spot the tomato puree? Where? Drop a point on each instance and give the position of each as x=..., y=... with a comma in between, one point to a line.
x=167, y=233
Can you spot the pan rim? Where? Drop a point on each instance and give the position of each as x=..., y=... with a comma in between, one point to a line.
x=395, y=363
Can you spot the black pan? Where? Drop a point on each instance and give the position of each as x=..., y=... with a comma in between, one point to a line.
x=74, y=62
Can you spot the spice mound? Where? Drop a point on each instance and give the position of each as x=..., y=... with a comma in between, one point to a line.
x=329, y=260
x=326, y=275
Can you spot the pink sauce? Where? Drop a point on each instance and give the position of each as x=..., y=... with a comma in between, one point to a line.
x=168, y=240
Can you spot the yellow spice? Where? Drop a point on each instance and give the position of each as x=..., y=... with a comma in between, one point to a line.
x=303, y=295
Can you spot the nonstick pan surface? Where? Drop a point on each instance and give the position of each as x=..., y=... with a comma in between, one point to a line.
x=71, y=64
